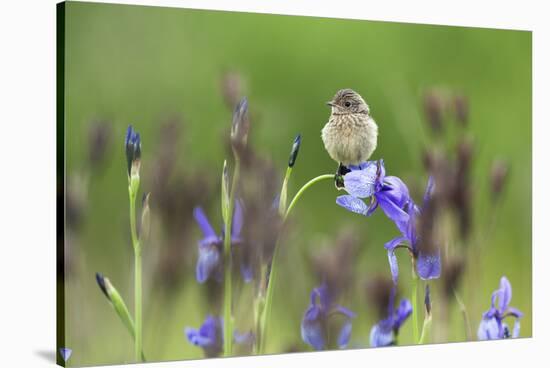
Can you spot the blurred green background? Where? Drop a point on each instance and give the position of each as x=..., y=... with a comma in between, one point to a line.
x=147, y=65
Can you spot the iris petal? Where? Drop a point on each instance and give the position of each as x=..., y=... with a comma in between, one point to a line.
x=515, y=333
x=428, y=266
x=392, y=244
x=488, y=329
x=209, y=259
x=203, y=222
x=392, y=210
x=345, y=334
x=345, y=311
x=380, y=336
x=396, y=191
x=361, y=183
x=312, y=332
x=402, y=313
x=394, y=267
x=208, y=336
x=352, y=204
x=237, y=220
x=514, y=312
x=505, y=293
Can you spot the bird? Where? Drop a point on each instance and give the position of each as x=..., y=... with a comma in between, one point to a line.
x=350, y=136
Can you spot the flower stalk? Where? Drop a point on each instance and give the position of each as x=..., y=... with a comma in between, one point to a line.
x=427, y=316
x=239, y=136
x=133, y=158
x=132, y=190
x=272, y=274
x=228, y=220
x=414, y=292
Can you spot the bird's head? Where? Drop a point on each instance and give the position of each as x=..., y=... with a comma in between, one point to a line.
x=347, y=101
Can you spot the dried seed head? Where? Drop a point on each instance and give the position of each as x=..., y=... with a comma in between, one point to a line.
x=261, y=217
x=379, y=289
x=499, y=175
x=452, y=273
x=99, y=137
x=231, y=86
x=460, y=104
x=461, y=189
x=427, y=226
x=332, y=264
x=465, y=151
x=240, y=126
x=434, y=110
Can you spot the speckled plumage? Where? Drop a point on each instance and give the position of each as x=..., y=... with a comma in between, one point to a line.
x=351, y=134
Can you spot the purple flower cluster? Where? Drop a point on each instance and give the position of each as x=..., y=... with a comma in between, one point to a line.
x=385, y=332
x=210, y=261
x=315, y=321
x=369, y=180
x=492, y=325
x=209, y=336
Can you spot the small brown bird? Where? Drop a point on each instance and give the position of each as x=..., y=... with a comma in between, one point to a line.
x=351, y=134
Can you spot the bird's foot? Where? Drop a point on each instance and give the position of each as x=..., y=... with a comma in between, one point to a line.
x=339, y=177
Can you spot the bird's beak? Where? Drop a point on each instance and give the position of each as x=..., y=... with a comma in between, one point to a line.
x=330, y=103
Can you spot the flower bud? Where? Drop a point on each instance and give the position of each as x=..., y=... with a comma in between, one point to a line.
x=145, y=218
x=240, y=125
x=231, y=86
x=116, y=302
x=427, y=301
x=225, y=192
x=294, y=150
x=133, y=152
x=101, y=283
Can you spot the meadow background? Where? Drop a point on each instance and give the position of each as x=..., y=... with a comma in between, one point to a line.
x=161, y=69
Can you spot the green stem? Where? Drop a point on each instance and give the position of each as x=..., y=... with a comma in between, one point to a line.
x=425, y=328
x=137, y=277
x=303, y=189
x=274, y=261
x=139, y=342
x=227, y=313
x=283, y=195
x=462, y=307
x=414, y=304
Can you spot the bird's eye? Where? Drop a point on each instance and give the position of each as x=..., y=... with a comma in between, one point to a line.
x=347, y=104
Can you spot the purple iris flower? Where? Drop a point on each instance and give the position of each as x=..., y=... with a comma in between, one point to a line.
x=210, y=261
x=369, y=180
x=428, y=264
x=210, y=336
x=314, y=325
x=492, y=325
x=385, y=332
